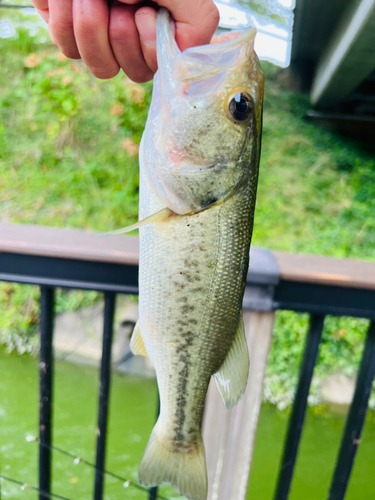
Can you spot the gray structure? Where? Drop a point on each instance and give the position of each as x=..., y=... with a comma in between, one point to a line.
x=333, y=57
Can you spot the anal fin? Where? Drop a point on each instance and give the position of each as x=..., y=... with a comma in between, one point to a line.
x=232, y=377
x=136, y=343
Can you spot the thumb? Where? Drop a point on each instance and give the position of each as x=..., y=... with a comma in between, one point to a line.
x=145, y=20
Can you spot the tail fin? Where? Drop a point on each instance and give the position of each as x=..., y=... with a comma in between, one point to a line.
x=185, y=471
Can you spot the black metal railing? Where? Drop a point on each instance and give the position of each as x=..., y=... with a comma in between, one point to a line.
x=268, y=288
x=355, y=420
x=46, y=391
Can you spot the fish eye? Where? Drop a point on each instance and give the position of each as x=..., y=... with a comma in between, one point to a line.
x=240, y=106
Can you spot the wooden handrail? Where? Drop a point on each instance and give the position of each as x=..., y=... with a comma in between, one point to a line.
x=326, y=270
x=68, y=244
x=84, y=245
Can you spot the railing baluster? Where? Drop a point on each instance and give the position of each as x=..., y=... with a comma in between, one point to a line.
x=105, y=378
x=299, y=407
x=154, y=491
x=46, y=388
x=355, y=420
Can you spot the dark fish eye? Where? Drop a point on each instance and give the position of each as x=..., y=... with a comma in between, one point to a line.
x=240, y=106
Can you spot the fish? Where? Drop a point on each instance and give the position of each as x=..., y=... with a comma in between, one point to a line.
x=199, y=162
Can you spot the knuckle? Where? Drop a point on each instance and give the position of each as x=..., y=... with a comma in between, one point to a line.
x=61, y=28
x=117, y=32
x=86, y=26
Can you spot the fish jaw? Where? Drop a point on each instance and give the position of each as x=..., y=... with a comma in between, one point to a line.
x=195, y=155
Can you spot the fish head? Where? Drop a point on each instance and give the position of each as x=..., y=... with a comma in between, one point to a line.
x=202, y=138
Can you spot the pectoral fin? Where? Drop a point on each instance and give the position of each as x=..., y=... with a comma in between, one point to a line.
x=160, y=216
x=136, y=343
x=232, y=377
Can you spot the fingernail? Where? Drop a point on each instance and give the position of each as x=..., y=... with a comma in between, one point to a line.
x=146, y=25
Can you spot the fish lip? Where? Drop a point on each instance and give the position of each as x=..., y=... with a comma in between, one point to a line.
x=239, y=37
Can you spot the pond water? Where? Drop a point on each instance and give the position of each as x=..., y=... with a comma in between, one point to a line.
x=132, y=413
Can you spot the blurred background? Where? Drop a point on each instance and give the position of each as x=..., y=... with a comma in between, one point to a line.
x=69, y=158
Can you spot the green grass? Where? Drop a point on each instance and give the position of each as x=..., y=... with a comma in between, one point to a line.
x=67, y=141
x=68, y=158
x=316, y=189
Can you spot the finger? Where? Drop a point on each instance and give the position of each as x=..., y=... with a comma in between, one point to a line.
x=61, y=27
x=42, y=8
x=124, y=39
x=145, y=19
x=40, y=4
x=91, y=19
x=44, y=14
x=196, y=20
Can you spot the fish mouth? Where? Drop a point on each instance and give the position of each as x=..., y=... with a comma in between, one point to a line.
x=226, y=53
x=223, y=43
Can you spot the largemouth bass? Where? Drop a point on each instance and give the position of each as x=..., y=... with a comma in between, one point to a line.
x=199, y=160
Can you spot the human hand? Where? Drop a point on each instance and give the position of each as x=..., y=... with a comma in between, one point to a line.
x=122, y=33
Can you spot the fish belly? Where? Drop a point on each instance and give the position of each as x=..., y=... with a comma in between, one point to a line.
x=192, y=277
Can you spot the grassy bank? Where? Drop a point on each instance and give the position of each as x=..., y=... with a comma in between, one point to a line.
x=68, y=158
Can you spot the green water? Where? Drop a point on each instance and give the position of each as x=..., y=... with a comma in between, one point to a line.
x=132, y=412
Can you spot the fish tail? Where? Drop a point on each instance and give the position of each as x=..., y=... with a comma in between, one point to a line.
x=186, y=471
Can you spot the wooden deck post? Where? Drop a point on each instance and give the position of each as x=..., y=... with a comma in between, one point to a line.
x=229, y=435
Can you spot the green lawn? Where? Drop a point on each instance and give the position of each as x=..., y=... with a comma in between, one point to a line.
x=68, y=158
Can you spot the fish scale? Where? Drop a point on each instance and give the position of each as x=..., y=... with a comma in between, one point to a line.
x=194, y=255
x=191, y=306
